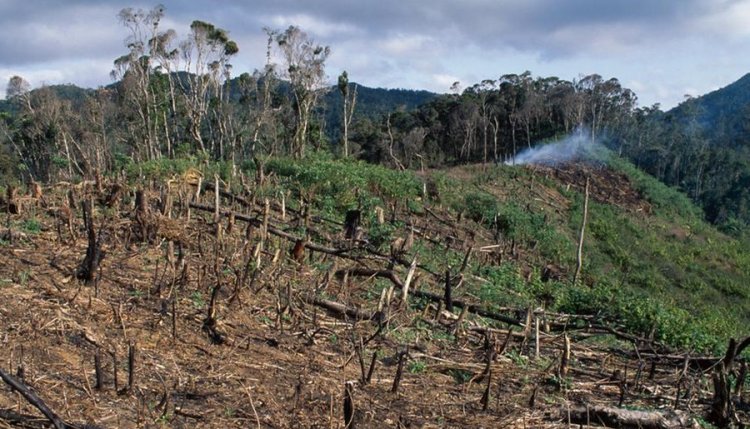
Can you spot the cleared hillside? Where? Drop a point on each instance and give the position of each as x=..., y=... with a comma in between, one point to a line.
x=260, y=316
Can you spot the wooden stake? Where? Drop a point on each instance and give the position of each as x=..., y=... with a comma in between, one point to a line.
x=348, y=406
x=379, y=215
x=486, y=395
x=370, y=371
x=94, y=255
x=536, y=335
x=565, y=358
x=579, y=263
x=508, y=337
x=174, y=318
x=114, y=370
x=381, y=303
x=399, y=372
x=448, y=297
x=98, y=370
x=457, y=328
x=217, y=213
x=131, y=365
x=409, y=276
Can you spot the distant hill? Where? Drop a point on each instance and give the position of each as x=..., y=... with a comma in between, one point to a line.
x=66, y=91
x=724, y=114
x=372, y=103
x=379, y=101
x=702, y=147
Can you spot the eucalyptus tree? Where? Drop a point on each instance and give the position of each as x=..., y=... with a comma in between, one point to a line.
x=350, y=101
x=165, y=56
x=206, y=53
x=483, y=92
x=18, y=89
x=304, y=67
x=530, y=104
x=257, y=96
x=134, y=71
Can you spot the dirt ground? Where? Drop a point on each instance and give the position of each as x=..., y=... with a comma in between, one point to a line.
x=262, y=355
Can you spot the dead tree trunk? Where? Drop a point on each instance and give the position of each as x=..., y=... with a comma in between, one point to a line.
x=622, y=418
x=94, y=253
x=722, y=407
x=579, y=264
x=146, y=227
x=351, y=223
x=13, y=206
x=34, y=400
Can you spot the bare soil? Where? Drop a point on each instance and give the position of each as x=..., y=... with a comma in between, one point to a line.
x=262, y=355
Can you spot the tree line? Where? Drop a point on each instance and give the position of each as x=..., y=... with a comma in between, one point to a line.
x=178, y=97
x=170, y=98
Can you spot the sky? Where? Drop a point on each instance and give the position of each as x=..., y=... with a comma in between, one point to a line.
x=661, y=49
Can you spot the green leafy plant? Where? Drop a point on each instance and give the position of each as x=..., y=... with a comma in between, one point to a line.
x=32, y=226
x=197, y=299
x=416, y=366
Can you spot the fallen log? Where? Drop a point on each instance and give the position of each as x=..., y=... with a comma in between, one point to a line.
x=34, y=400
x=391, y=275
x=343, y=253
x=622, y=418
x=338, y=308
x=249, y=204
x=275, y=231
x=696, y=362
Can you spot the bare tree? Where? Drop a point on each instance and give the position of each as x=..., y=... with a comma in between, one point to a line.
x=18, y=88
x=350, y=101
x=134, y=70
x=206, y=54
x=305, y=68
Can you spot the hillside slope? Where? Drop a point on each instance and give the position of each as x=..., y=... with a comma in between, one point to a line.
x=260, y=316
x=723, y=112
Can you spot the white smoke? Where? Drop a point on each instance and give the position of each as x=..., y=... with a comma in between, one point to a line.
x=575, y=146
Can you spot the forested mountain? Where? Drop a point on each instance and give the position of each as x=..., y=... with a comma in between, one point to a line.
x=723, y=113
x=372, y=104
x=702, y=147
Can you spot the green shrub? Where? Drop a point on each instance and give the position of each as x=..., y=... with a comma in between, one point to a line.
x=32, y=226
x=480, y=207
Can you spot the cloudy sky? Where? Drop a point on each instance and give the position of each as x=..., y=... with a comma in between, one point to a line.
x=662, y=49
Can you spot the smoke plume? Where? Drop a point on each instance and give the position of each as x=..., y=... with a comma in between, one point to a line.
x=575, y=146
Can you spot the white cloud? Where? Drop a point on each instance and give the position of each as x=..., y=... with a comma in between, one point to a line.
x=442, y=82
x=728, y=19
x=658, y=48
x=91, y=74
x=311, y=24
x=596, y=39
x=404, y=44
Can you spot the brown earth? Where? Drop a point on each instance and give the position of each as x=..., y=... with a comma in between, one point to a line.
x=264, y=356
x=605, y=185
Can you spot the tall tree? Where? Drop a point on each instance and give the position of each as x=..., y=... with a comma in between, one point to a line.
x=206, y=53
x=350, y=101
x=304, y=62
x=134, y=70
